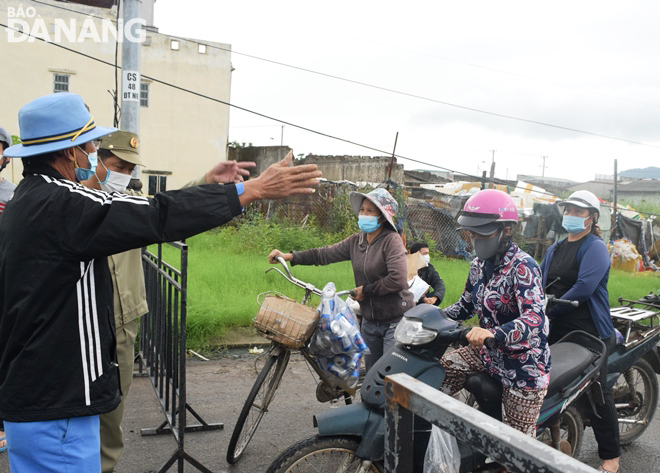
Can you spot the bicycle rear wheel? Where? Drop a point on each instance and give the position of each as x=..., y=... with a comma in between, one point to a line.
x=257, y=402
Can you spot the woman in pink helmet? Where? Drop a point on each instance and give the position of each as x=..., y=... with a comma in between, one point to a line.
x=504, y=289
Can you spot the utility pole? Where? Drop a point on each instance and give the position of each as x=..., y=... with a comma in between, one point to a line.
x=131, y=50
x=543, y=167
x=391, y=165
x=282, y=137
x=492, y=171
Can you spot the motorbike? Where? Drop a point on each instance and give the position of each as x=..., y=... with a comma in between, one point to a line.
x=352, y=438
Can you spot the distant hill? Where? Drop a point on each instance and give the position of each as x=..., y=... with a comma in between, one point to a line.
x=651, y=172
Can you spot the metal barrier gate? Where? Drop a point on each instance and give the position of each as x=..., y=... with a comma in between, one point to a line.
x=163, y=349
x=510, y=448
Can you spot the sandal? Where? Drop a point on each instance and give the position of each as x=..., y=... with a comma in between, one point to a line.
x=3, y=439
x=602, y=470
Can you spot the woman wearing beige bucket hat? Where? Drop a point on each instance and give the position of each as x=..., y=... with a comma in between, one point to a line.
x=379, y=264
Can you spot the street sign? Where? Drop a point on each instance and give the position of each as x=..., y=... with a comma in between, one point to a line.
x=130, y=86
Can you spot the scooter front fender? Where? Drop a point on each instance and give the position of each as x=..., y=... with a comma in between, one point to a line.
x=358, y=420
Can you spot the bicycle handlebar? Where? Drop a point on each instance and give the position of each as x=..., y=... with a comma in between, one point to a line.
x=305, y=285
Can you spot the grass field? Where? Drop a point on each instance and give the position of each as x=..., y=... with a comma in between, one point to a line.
x=224, y=280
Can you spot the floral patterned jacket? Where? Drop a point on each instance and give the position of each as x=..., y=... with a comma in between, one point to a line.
x=510, y=305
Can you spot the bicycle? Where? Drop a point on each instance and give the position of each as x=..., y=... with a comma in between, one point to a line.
x=268, y=380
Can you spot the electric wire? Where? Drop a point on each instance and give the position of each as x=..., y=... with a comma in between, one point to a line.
x=408, y=94
x=500, y=71
x=183, y=89
x=466, y=63
x=344, y=140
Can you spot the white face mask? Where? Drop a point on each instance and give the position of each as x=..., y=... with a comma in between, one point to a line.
x=115, y=182
x=426, y=258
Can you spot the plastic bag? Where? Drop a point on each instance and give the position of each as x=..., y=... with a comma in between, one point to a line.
x=442, y=454
x=337, y=342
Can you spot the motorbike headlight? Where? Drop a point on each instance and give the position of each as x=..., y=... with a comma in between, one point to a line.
x=411, y=332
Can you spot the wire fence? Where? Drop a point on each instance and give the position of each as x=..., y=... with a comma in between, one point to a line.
x=429, y=218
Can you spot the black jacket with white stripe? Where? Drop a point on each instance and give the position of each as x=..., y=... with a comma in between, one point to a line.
x=57, y=336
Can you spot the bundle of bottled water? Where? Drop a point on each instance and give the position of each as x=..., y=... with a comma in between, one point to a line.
x=337, y=343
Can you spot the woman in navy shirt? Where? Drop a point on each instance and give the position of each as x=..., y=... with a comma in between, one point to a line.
x=577, y=268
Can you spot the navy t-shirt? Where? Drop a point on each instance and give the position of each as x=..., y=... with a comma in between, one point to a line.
x=565, y=266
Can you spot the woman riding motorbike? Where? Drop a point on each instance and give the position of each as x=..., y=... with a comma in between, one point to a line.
x=578, y=268
x=504, y=289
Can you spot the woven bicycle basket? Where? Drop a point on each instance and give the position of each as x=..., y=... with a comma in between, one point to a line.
x=284, y=320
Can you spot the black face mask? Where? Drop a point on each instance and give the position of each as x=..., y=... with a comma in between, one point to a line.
x=487, y=248
x=4, y=164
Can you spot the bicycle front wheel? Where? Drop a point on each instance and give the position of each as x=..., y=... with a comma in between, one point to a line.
x=323, y=455
x=257, y=402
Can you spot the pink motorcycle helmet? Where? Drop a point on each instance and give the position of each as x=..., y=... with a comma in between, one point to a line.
x=485, y=211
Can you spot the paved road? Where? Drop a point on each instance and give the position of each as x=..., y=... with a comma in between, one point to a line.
x=217, y=390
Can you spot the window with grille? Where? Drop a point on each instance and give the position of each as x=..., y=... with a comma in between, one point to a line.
x=157, y=184
x=144, y=94
x=61, y=83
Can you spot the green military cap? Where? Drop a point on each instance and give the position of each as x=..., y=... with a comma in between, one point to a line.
x=124, y=145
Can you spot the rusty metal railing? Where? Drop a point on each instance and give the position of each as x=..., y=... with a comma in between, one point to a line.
x=510, y=448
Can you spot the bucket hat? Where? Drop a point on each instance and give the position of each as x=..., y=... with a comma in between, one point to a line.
x=381, y=199
x=124, y=145
x=54, y=122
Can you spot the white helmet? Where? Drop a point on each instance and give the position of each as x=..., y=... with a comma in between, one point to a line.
x=584, y=199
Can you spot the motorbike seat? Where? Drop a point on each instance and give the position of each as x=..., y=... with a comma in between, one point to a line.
x=568, y=362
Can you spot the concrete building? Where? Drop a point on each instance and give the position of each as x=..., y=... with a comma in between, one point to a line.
x=546, y=182
x=415, y=178
x=641, y=191
x=357, y=169
x=602, y=189
x=262, y=156
x=182, y=135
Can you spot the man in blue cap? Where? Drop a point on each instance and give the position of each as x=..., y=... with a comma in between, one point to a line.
x=118, y=155
x=57, y=341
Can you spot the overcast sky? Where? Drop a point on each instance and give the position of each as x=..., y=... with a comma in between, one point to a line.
x=587, y=65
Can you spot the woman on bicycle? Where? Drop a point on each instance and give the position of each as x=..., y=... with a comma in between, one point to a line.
x=504, y=290
x=379, y=264
x=577, y=268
